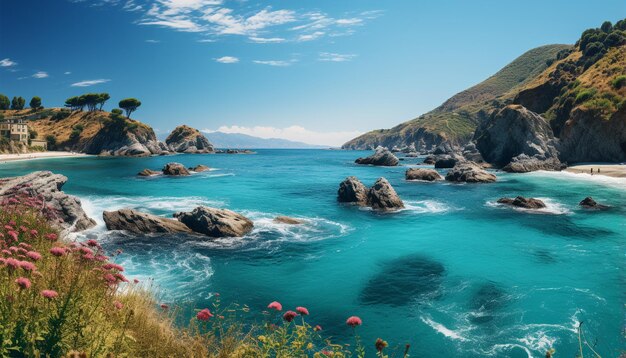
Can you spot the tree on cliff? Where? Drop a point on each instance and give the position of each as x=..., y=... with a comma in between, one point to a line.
x=18, y=103
x=102, y=98
x=74, y=103
x=35, y=103
x=4, y=102
x=129, y=105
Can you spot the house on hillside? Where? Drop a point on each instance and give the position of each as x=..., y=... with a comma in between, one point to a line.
x=14, y=129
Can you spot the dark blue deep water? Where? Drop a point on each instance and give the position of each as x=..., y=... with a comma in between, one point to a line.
x=453, y=274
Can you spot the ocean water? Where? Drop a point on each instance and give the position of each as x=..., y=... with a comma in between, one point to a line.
x=453, y=274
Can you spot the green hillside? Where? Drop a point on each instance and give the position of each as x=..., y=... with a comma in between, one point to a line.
x=456, y=119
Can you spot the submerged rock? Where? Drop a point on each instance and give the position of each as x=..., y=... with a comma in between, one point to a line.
x=288, y=220
x=469, y=172
x=148, y=173
x=69, y=215
x=351, y=190
x=175, y=169
x=522, y=202
x=216, y=222
x=141, y=223
x=422, y=174
x=486, y=303
x=589, y=203
x=405, y=281
x=382, y=157
x=382, y=196
x=185, y=139
x=200, y=168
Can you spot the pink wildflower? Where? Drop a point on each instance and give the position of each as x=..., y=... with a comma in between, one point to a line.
x=135, y=280
x=27, y=266
x=289, y=316
x=25, y=245
x=13, y=235
x=92, y=243
x=121, y=277
x=204, y=315
x=164, y=306
x=49, y=294
x=12, y=223
x=302, y=310
x=34, y=232
x=51, y=236
x=354, y=321
x=276, y=306
x=317, y=328
x=8, y=227
x=118, y=305
x=33, y=255
x=12, y=263
x=112, y=266
x=23, y=282
x=57, y=251
x=7, y=252
x=86, y=251
x=23, y=228
x=110, y=279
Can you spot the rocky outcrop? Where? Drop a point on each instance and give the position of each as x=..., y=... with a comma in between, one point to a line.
x=148, y=173
x=524, y=164
x=469, y=172
x=382, y=196
x=431, y=159
x=235, y=151
x=66, y=214
x=142, y=223
x=522, y=202
x=124, y=138
x=200, y=168
x=589, y=137
x=382, y=157
x=422, y=174
x=185, y=139
x=175, y=169
x=446, y=161
x=352, y=191
x=288, y=220
x=514, y=131
x=216, y=222
x=589, y=203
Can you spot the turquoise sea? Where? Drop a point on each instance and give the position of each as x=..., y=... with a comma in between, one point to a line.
x=453, y=274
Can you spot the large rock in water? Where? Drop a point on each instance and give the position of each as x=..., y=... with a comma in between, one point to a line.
x=469, y=172
x=382, y=196
x=514, y=131
x=70, y=216
x=175, y=169
x=422, y=174
x=589, y=203
x=447, y=161
x=382, y=157
x=351, y=190
x=216, y=222
x=522, y=202
x=142, y=223
x=524, y=164
x=185, y=139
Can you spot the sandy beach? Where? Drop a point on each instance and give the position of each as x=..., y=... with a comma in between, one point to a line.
x=611, y=170
x=39, y=155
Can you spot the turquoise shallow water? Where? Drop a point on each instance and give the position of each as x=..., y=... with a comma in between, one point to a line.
x=453, y=274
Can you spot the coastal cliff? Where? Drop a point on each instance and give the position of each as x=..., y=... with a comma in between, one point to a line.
x=185, y=139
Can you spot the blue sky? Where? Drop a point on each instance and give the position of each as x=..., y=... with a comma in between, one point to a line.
x=317, y=71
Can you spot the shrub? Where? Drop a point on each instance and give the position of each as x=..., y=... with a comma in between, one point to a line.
x=585, y=95
x=62, y=114
x=75, y=134
x=615, y=39
x=52, y=141
x=4, y=102
x=619, y=82
x=593, y=48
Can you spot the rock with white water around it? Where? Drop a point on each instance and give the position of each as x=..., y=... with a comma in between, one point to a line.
x=288, y=220
x=66, y=211
x=589, y=203
x=522, y=202
x=382, y=196
x=382, y=157
x=352, y=191
x=142, y=223
x=422, y=174
x=148, y=173
x=469, y=172
x=175, y=169
x=200, y=168
x=216, y=222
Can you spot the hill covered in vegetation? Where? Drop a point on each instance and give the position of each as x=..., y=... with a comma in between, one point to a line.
x=456, y=119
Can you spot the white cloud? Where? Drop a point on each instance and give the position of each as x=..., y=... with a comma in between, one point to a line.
x=277, y=63
x=295, y=133
x=40, y=74
x=225, y=22
x=153, y=41
x=265, y=40
x=227, y=59
x=335, y=57
x=311, y=37
x=7, y=63
x=89, y=82
x=67, y=73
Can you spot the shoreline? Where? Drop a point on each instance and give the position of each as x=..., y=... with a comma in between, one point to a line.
x=608, y=170
x=5, y=158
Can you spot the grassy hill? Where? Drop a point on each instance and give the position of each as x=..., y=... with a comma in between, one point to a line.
x=456, y=119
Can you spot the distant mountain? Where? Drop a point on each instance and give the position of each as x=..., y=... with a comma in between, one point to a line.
x=238, y=140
